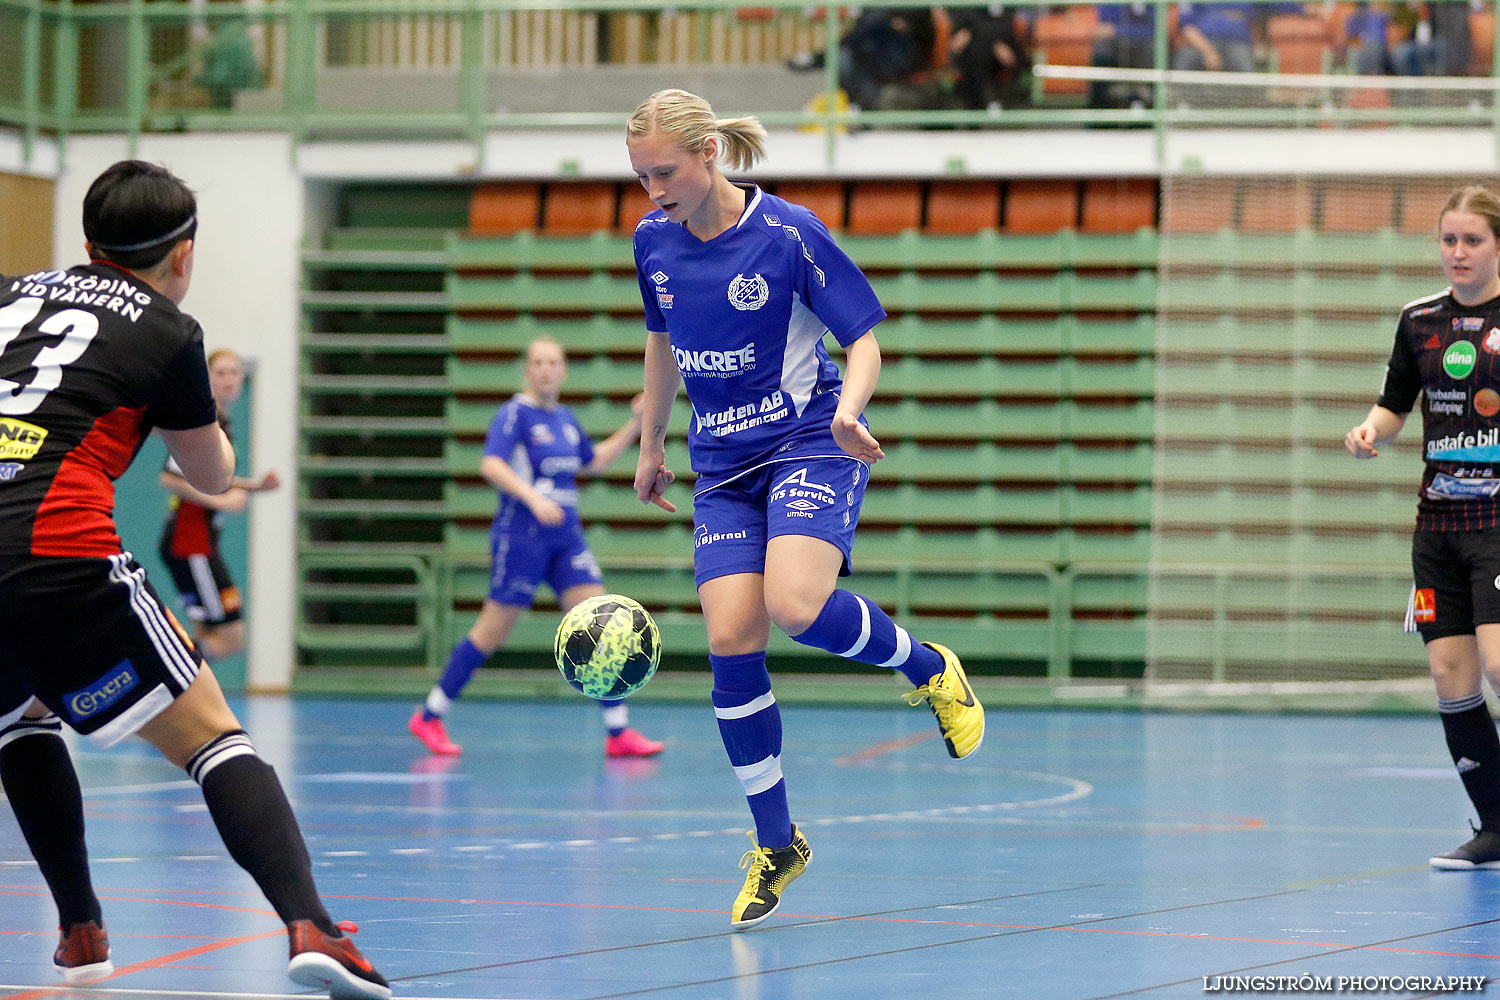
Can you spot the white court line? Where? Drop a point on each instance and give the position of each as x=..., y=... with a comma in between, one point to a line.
x=155, y=786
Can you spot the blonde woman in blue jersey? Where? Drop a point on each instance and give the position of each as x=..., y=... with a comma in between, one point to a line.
x=740, y=288
x=533, y=455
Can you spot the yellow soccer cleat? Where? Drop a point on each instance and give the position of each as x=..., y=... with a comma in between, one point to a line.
x=960, y=716
x=771, y=871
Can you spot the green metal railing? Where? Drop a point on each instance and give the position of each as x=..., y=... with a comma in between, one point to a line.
x=136, y=66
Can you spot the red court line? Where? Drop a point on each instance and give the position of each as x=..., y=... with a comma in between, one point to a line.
x=883, y=748
x=155, y=963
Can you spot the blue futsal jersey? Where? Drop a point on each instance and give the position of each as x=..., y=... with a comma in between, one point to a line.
x=546, y=448
x=746, y=313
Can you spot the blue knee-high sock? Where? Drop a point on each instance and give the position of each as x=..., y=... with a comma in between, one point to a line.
x=855, y=628
x=465, y=659
x=750, y=725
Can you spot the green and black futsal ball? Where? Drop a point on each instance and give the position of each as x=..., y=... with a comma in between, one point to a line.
x=607, y=646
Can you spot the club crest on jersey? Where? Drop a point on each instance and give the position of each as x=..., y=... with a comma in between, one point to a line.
x=18, y=439
x=749, y=294
x=1491, y=342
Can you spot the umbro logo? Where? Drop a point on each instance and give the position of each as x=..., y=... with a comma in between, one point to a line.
x=1465, y=765
x=660, y=277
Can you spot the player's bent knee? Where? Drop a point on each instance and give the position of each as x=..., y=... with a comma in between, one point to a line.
x=794, y=613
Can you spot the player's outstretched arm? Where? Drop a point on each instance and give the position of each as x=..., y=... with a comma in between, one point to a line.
x=652, y=477
x=204, y=455
x=610, y=449
x=1380, y=426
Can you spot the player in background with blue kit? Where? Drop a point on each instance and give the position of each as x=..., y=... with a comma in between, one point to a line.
x=533, y=454
x=740, y=288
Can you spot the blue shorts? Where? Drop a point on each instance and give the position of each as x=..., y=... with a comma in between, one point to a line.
x=818, y=497
x=520, y=561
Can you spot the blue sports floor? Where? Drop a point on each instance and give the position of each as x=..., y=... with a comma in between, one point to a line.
x=1078, y=854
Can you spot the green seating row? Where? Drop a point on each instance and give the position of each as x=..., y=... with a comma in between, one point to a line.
x=1300, y=377
x=669, y=544
x=1364, y=337
x=903, y=376
x=983, y=461
x=907, y=419
x=1271, y=508
x=930, y=337
x=599, y=291
x=902, y=504
x=1329, y=464
x=1382, y=294
x=1376, y=547
x=984, y=250
x=1304, y=248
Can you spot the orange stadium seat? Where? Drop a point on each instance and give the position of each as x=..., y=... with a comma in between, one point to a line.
x=1198, y=205
x=1040, y=206
x=1300, y=41
x=634, y=205
x=1357, y=206
x=1482, y=41
x=880, y=208
x=576, y=208
x=959, y=208
x=824, y=198
x=1065, y=38
x=1273, y=206
x=503, y=209
x=1118, y=206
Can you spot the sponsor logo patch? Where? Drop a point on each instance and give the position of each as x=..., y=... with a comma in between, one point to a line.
x=103, y=693
x=18, y=439
x=1459, y=359
x=8, y=470
x=1424, y=605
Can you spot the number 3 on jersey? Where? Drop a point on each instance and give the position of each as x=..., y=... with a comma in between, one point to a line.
x=77, y=329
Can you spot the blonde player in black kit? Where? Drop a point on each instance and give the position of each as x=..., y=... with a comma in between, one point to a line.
x=1448, y=350
x=91, y=359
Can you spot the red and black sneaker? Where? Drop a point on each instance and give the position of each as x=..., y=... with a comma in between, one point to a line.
x=333, y=963
x=83, y=953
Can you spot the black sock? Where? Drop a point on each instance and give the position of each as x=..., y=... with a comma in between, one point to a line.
x=256, y=823
x=1475, y=748
x=43, y=790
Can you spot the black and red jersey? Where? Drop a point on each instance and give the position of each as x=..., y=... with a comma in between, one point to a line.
x=191, y=529
x=1450, y=353
x=91, y=359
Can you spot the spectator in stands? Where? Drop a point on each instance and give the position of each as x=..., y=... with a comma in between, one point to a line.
x=740, y=289
x=988, y=60
x=1437, y=42
x=1366, y=39
x=881, y=56
x=1216, y=37
x=1444, y=349
x=1125, y=37
x=533, y=455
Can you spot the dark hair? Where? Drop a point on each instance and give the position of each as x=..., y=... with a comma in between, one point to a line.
x=136, y=212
